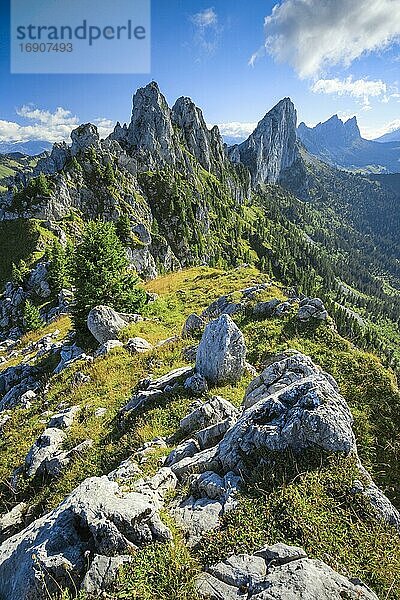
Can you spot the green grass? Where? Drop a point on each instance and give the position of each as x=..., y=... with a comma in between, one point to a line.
x=6, y=171
x=303, y=500
x=159, y=572
x=307, y=500
x=18, y=241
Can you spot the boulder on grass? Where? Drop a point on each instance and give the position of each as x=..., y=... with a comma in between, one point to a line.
x=221, y=355
x=104, y=323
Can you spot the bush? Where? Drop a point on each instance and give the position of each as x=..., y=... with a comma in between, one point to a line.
x=57, y=272
x=19, y=272
x=31, y=317
x=123, y=228
x=101, y=276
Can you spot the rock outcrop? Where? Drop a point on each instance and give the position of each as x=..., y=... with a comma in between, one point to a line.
x=221, y=354
x=83, y=137
x=52, y=552
x=138, y=345
x=312, y=308
x=278, y=572
x=104, y=323
x=271, y=149
x=309, y=412
x=149, y=390
x=293, y=405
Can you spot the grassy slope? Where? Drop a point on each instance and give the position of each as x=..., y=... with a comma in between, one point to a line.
x=21, y=239
x=307, y=503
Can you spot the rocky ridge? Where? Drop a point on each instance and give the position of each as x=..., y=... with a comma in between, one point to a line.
x=291, y=404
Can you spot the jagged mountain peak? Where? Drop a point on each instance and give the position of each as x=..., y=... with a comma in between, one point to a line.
x=149, y=96
x=83, y=137
x=352, y=126
x=284, y=109
x=341, y=144
x=271, y=148
x=206, y=145
x=343, y=130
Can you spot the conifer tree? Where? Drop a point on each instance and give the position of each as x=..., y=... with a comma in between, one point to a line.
x=31, y=317
x=101, y=276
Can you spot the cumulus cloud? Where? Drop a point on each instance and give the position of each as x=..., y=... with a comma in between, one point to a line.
x=360, y=89
x=104, y=126
x=312, y=35
x=371, y=133
x=236, y=129
x=207, y=30
x=46, y=125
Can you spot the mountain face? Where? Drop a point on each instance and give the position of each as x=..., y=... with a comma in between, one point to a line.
x=340, y=144
x=271, y=148
x=213, y=418
x=392, y=136
x=156, y=134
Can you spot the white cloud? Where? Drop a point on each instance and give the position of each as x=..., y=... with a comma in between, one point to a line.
x=50, y=126
x=360, y=89
x=205, y=18
x=206, y=30
x=237, y=129
x=312, y=35
x=371, y=133
x=104, y=126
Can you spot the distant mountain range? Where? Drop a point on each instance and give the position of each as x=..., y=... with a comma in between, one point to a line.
x=392, y=136
x=339, y=143
x=30, y=147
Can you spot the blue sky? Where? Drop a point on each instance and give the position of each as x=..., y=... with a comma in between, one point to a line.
x=329, y=56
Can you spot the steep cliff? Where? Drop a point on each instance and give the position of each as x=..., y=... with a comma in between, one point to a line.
x=271, y=148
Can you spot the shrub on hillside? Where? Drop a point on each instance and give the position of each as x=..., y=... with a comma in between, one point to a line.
x=101, y=276
x=31, y=317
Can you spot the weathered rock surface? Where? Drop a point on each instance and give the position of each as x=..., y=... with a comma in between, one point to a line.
x=12, y=521
x=231, y=304
x=64, y=418
x=308, y=412
x=83, y=137
x=46, y=455
x=212, y=496
x=263, y=310
x=15, y=382
x=279, y=572
x=57, y=463
x=186, y=449
x=138, y=345
x=282, y=372
x=47, y=445
x=196, y=384
x=271, y=149
x=69, y=354
x=211, y=412
x=155, y=488
x=221, y=354
x=193, y=324
x=149, y=390
x=104, y=323
x=102, y=574
x=37, y=281
x=53, y=551
x=380, y=504
x=143, y=262
x=105, y=348
x=312, y=308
